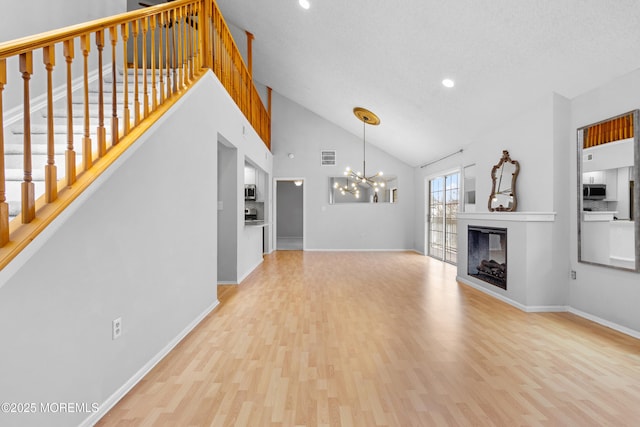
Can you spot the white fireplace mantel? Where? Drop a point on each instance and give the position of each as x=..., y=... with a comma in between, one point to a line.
x=508, y=216
x=532, y=276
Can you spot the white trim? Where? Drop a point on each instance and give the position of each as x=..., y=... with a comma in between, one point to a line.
x=606, y=323
x=274, y=213
x=38, y=103
x=525, y=308
x=509, y=216
x=135, y=379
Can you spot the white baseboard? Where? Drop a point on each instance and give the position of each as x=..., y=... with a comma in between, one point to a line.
x=603, y=322
x=525, y=308
x=126, y=387
x=553, y=309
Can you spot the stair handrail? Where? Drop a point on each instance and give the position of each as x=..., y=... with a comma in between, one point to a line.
x=187, y=37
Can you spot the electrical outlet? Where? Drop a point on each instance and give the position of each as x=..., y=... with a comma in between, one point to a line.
x=116, y=328
x=573, y=274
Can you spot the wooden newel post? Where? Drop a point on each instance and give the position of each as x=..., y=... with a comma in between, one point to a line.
x=50, y=170
x=4, y=207
x=28, y=188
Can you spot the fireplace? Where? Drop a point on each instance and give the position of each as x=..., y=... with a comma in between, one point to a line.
x=487, y=254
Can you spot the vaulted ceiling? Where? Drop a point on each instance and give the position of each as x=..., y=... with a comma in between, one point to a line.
x=391, y=58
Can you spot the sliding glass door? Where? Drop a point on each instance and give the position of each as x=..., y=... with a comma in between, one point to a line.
x=443, y=202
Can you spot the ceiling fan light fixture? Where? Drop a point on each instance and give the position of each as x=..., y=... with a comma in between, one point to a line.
x=448, y=83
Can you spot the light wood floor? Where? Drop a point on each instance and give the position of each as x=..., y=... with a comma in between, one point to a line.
x=384, y=339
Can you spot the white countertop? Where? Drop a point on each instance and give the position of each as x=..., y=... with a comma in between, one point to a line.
x=256, y=223
x=592, y=216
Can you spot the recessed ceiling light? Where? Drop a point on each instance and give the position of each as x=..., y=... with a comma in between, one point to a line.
x=448, y=83
x=304, y=3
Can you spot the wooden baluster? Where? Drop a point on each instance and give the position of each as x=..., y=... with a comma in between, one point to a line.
x=178, y=29
x=168, y=50
x=215, y=51
x=145, y=83
x=100, y=130
x=199, y=41
x=154, y=90
x=204, y=20
x=185, y=43
x=136, y=96
x=87, y=162
x=191, y=29
x=4, y=206
x=187, y=40
x=28, y=188
x=174, y=49
x=124, y=30
x=70, y=154
x=50, y=170
x=161, y=64
x=115, y=131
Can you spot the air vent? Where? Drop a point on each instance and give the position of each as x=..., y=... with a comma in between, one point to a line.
x=328, y=157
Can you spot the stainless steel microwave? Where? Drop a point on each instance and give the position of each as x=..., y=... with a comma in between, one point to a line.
x=250, y=192
x=594, y=191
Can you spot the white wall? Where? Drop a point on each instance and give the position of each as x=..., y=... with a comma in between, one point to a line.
x=140, y=244
x=529, y=138
x=345, y=226
x=605, y=293
x=19, y=20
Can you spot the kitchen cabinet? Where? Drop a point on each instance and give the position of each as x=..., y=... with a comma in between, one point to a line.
x=249, y=174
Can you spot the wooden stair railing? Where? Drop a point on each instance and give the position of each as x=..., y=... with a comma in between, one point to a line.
x=156, y=54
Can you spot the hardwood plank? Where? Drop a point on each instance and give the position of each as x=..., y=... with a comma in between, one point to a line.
x=387, y=339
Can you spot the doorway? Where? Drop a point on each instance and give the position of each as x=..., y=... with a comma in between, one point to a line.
x=227, y=213
x=289, y=214
x=442, y=204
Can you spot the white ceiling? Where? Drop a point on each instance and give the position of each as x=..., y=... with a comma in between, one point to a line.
x=391, y=56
